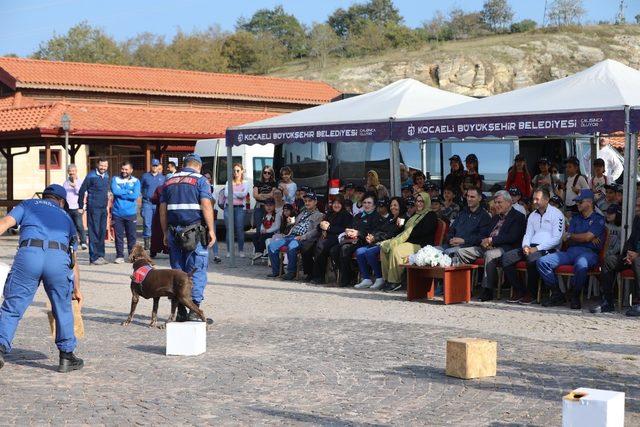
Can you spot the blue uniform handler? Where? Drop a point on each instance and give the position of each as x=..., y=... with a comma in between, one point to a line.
x=46, y=253
x=186, y=216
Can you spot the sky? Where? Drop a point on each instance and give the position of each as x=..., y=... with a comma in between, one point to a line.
x=26, y=24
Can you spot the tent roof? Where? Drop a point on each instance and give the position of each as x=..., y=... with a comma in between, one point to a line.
x=606, y=86
x=398, y=100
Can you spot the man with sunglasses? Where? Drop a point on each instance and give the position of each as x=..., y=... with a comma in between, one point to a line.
x=584, y=240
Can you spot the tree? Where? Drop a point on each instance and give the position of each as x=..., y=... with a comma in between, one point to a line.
x=354, y=20
x=637, y=18
x=198, y=51
x=523, y=26
x=147, y=50
x=466, y=25
x=283, y=26
x=496, y=14
x=437, y=28
x=566, y=12
x=269, y=53
x=239, y=49
x=323, y=41
x=82, y=43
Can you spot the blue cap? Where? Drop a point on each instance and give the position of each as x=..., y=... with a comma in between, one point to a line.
x=311, y=195
x=155, y=162
x=56, y=190
x=191, y=157
x=584, y=194
x=614, y=209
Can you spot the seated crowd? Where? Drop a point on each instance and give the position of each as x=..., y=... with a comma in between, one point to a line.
x=538, y=225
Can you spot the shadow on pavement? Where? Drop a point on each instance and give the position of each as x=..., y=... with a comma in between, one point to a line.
x=29, y=358
x=151, y=349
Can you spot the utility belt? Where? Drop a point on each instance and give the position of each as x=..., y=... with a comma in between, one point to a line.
x=37, y=243
x=188, y=237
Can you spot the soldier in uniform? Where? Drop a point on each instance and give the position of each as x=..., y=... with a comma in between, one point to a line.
x=186, y=216
x=45, y=253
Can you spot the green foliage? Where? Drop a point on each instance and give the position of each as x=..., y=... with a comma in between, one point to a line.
x=496, y=14
x=523, y=26
x=566, y=12
x=82, y=43
x=355, y=20
x=246, y=52
x=323, y=42
x=284, y=27
x=464, y=25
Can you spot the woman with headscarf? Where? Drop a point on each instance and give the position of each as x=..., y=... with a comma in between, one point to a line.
x=374, y=186
x=419, y=231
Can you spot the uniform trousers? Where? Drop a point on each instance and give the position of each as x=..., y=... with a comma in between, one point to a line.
x=196, y=261
x=146, y=212
x=97, y=225
x=581, y=258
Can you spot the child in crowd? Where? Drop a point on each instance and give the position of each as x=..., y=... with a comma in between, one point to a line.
x=519, y=177
x=350, y=192
x=432, y=189
x=574, y=183
x=383, y=207
x=411, y=206
x=436, y=206
x=286, y=185
x=614, y=232
x=599, y=182
x=545, y=179
x=450, y=208
x=357, y=203
x=407, y=191
x=516, y=199
x=609, y=197
x=418, y=182
x=299, y=201
x=265, y=230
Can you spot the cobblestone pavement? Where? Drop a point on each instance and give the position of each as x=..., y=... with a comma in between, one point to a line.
x=291, y=353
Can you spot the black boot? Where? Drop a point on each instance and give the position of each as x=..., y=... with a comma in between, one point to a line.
x=146, y=243
x=487, y=294
x=193, y=316
x=605, y=306
x=69, y=362
x=182, y=315
x=2, y=351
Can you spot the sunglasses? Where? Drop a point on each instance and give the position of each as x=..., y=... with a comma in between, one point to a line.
x=266, y=173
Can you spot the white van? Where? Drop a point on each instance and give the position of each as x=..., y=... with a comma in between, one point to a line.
x=214, y=160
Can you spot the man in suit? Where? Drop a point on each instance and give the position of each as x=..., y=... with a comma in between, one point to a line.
x=505, y=233
x=629, y=259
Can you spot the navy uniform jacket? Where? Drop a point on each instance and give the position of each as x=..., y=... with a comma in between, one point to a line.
x=594, y=223
x=182, y=194
x=149, y=183
x=97, y=188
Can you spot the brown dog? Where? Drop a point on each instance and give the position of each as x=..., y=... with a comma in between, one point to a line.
x=175, y=284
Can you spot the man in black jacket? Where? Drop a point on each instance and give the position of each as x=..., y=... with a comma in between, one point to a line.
x=629, y=259
x=471, y=224
x=505, y=233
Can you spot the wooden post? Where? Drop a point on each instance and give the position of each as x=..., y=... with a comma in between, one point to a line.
x=9, y=158
x=147, y=157
x=47, y=164
x=158, y=151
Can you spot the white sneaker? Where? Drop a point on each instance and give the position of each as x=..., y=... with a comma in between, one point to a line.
x=242, y=255
x=378, y=284
x=119, y=261
x=364, y=284
x=257, y=256
x=228, y=255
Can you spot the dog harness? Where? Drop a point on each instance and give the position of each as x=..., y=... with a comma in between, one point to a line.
x=141, y=273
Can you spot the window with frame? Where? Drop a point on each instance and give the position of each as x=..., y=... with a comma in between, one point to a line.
x=55, y=163
x=258, y=164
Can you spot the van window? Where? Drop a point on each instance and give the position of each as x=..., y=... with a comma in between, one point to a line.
x=258, y=164
x=352, y=161
x=494, y=158
x=221, y=173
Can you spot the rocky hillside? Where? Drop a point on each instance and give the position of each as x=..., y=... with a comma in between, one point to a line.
x=484, y=66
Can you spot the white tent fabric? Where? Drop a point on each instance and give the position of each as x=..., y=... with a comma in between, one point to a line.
x=604, y=86
x=400, y=99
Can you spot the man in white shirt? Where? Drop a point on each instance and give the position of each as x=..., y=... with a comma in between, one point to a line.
x=545, y=228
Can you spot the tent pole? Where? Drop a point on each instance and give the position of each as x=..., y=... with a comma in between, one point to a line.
x=229, y=210
x=442, y=174
x=593, y=143
x=423, y=155
x=395, y=168
x=627, y=212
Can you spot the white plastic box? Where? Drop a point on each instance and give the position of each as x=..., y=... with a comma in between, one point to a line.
x=590, y=407
x=4, y=272
x=186, y=338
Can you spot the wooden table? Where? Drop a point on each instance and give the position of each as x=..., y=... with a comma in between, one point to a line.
x=421, y=282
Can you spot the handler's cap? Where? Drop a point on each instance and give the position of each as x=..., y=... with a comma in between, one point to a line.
x=311, y=195
x=573, y=159
x=192, y=157
x=155, y=162
x=584, y=194
x=614, y=209
x=58, y=191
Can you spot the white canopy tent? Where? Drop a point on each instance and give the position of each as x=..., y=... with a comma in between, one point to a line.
x=595, y=100
x=363, y=118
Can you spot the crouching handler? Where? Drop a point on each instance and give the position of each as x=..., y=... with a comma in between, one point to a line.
x=186, y=215
x=46, y=252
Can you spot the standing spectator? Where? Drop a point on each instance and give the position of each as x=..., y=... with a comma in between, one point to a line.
x=419, y=231
x=333, y=224
x=584, y=239
x=543, y=235
x=419, y=182
x=612, y=160
x=265, y=230
x=629, y=259
x=505, y=233
x=126, y=191
x=240, y=192
x=263, y=190
x=148, y=184
x=519, y=177
x=172, y=168
x=473, y=171
x=545, y=179
x=96, y=187
x=72, y=186
x=374, y=186
x=599, y=182
x=405, y=176
x=454, y=178
x=215, y=249
x=574, y=183
x=364, y=223
x=469, y=227
x=368, y=257
x=157, y=234
x=286, y=185
x=302, y=236
x=450, y=208
x=516, y=198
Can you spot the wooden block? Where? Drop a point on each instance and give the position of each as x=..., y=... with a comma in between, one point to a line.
x=471, y=358
x=78, y=323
